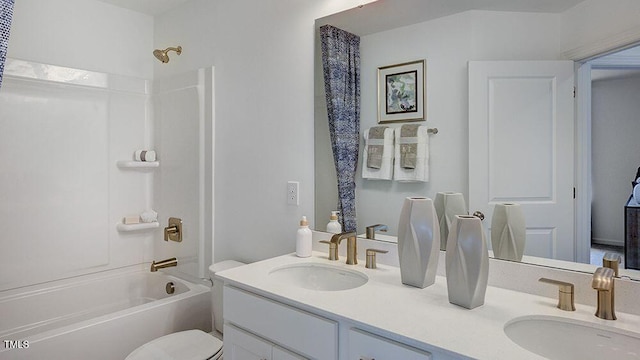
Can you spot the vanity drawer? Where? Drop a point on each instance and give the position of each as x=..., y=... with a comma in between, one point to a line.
x=302, y=332
x=367, y=346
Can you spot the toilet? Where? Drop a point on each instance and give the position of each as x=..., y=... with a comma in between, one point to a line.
x=192, y=344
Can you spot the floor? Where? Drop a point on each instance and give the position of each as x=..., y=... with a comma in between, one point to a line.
x=597, y=251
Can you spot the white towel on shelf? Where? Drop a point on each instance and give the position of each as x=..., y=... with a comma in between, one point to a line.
x=386, y=169
x=421, y=171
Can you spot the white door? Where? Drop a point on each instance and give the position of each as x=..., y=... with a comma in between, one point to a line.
x=521, y=130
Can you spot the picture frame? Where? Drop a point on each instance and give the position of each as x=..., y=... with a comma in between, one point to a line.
x=402, y=92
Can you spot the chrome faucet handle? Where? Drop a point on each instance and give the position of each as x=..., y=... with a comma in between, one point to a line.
x=612, y=261
x=371, y=230
x=603, y=281
x=371, y=257
x=333, y=249
x=565, y=294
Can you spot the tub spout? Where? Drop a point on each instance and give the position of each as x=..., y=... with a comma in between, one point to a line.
x=163, y=264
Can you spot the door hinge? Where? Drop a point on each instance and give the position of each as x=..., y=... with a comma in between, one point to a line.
x=574, y=92
x=574, y=192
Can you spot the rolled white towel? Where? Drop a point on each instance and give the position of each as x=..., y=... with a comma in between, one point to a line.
x=145, y=155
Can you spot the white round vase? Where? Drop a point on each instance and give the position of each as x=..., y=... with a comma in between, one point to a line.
x=508, y=232
x=418, y=242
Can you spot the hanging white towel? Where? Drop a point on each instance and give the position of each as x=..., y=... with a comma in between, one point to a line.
x=421, y=171
x=386, y=169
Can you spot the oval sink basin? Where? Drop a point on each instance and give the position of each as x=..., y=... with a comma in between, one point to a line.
x=560, y=338
x=319, y=277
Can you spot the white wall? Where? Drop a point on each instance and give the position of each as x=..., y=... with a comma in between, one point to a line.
x=63, y=191
x=592, y=21
x=262, y=52
x=615, y=105
x=82, y=34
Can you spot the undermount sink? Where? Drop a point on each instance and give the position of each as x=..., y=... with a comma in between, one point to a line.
x=319, y=277
x=560, y=338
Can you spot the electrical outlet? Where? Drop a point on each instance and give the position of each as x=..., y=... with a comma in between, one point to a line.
x=293, y=191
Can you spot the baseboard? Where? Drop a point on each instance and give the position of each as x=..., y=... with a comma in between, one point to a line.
x=607, y=242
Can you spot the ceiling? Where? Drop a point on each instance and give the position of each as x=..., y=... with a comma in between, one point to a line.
x=386, y=14
x=150, y=7
x=417, y=10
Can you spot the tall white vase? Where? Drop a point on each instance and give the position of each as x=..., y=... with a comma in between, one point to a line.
x=467, y=262
x=418, y=242
x=448, y=205
x=508, y=232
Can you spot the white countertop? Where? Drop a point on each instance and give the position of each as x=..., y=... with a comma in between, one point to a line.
x=419, y=317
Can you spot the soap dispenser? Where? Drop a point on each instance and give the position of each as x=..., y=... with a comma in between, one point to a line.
x=334, y=226
x=303, y=239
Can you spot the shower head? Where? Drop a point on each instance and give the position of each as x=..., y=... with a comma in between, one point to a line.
x=162, y=54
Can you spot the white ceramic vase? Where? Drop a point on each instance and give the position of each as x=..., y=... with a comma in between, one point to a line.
x=467, y=262
x=448, y=205
x=418, y=242
x=508, y=232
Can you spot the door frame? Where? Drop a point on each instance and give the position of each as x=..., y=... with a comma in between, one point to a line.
x=583, y=56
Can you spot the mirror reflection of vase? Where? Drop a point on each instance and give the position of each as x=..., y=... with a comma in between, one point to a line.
x=448, y=205
x=467, y=262
x=508, y=232
x=418, y=242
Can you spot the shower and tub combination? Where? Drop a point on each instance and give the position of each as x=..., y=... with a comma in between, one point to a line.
x=92, y=294
x=99, y=316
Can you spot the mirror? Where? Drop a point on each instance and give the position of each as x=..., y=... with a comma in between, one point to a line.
x=447, y=36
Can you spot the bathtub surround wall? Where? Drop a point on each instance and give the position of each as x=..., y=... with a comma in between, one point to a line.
x=67, y=194
x=62, y=139
x=63, y=132
x=183, y=129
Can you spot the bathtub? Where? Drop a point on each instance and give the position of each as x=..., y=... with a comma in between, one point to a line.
x=99, y=316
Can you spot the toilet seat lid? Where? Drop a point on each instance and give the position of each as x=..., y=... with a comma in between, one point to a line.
x=183, y=345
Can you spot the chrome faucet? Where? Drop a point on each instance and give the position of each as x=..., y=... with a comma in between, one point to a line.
x=163, y=264
x=371, y=230
x=603, y=281
x=352, y=255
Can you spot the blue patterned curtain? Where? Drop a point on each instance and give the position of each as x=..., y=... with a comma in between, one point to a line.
x=341, y=65
x=6, y=13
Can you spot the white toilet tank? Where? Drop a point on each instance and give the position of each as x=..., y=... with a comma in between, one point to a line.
x=216, y=291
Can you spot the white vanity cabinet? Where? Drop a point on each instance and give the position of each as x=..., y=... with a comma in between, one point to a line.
x=366, y=346
x=263, y=323
x=241, y=345
x=260, y=328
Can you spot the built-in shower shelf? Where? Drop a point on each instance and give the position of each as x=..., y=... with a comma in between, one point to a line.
x=138, y=227
x=138, y=164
